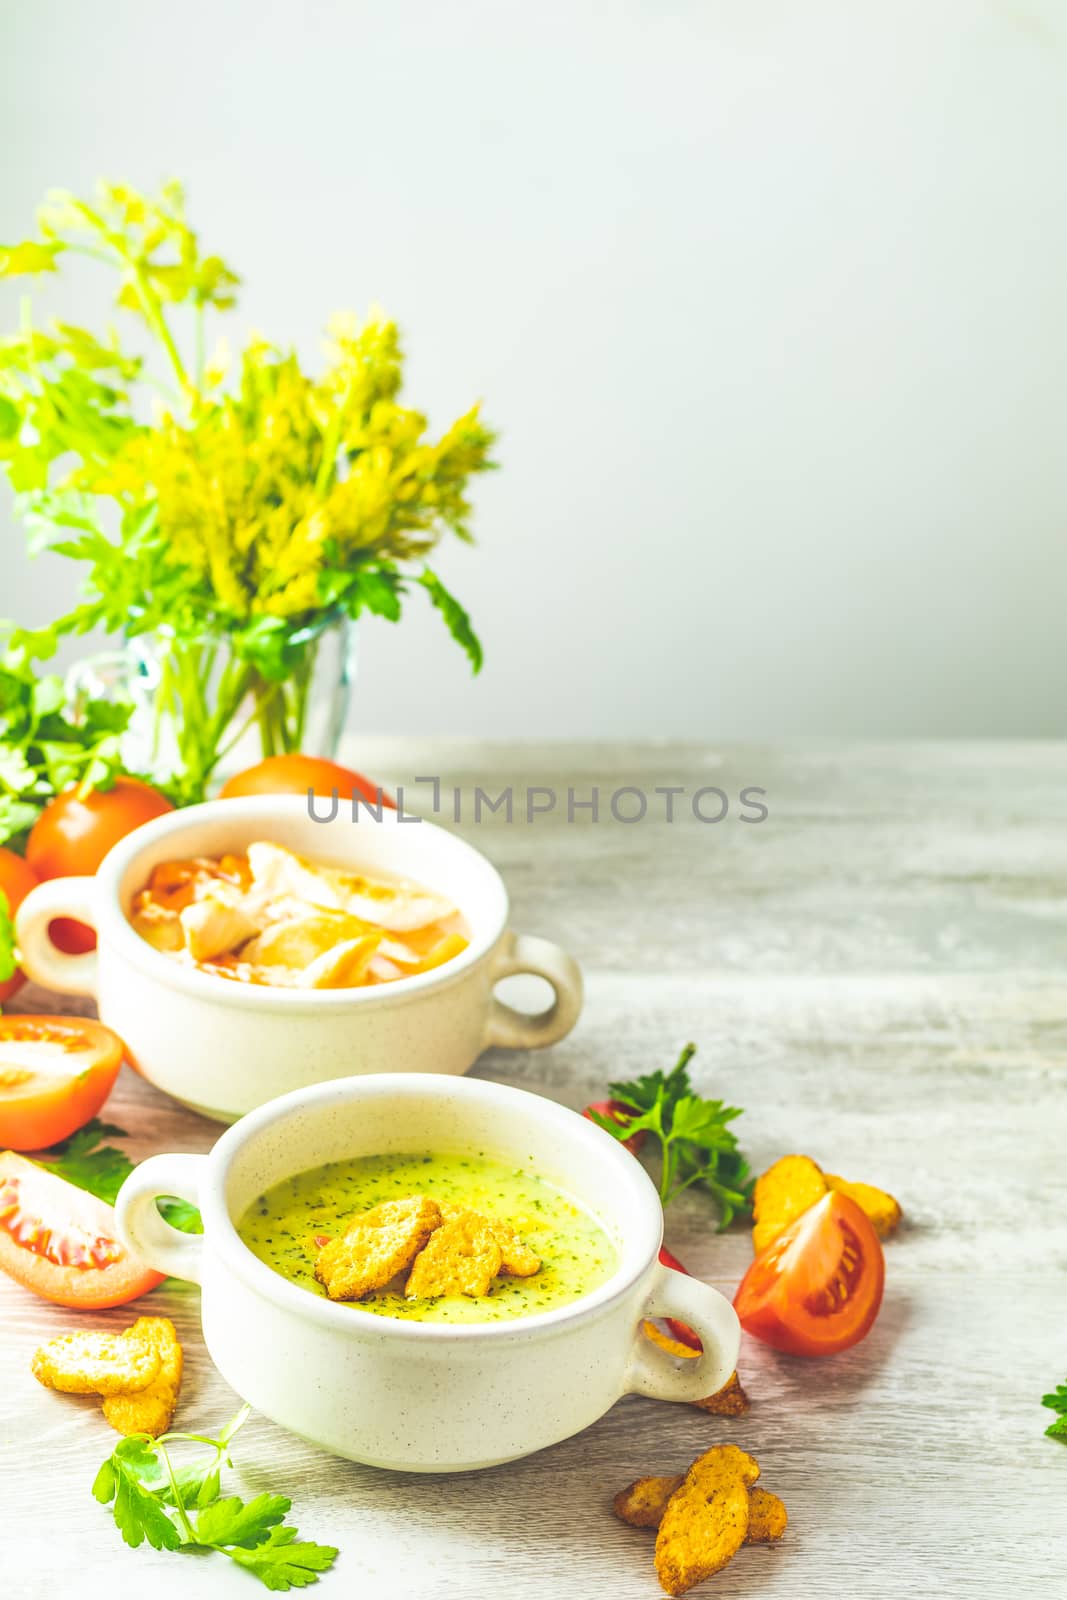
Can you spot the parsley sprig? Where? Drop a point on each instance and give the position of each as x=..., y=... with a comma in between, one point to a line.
x=88, y=1163
x=48, y=743
x=181, y=1508
x=696, y=1146
x=1057, y=1401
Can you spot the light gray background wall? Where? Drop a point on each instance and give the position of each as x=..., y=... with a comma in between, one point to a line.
x=767, y=298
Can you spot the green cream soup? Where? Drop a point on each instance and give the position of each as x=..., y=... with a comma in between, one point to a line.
x=576, y=1254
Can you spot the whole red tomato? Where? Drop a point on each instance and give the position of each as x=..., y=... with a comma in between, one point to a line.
x=297, y=774
x=16, y=881
x=74, y=833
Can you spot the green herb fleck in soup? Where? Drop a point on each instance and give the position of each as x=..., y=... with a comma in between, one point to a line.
x=287, y=1227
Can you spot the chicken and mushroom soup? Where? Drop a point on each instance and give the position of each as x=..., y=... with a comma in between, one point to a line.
x=272, y=917
x=430, y=1238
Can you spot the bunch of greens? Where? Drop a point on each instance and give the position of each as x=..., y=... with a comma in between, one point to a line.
x=181, y=1508
x=1057, y=1401
x=47, y=745
x=247, y=511
x=696, y=1147
x=88, y=1163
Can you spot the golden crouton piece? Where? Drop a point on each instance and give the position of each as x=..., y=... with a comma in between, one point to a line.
x=729, y=1401
x=462, y=1257
x=150, y=1410
x=517, y=1260
x=767, y=1517
x=673, y=1347
x=783, y=1193
x=376, y=1246
x=643, y=1502
x=885, y=1212
x=642, y=1506
x=706, y=1520
x=96, y=1363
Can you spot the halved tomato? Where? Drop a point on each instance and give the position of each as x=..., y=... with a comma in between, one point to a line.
x=55, y=1073
x=62, y=1243
x=816, y=1289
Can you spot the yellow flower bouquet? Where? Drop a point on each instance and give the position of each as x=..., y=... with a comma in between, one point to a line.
x=229, y=513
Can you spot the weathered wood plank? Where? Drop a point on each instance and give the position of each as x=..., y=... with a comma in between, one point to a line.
x=877, y=975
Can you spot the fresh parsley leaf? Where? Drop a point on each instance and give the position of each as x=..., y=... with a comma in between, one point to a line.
x=1057, y=1401
x=181, y=1214
x=179, y=1508
x=102, y=1169
x=248, y=1524
x=696, y=1145
x=137, y=1512
x=89, y=1164
x=49, y=743
x=282, y=1564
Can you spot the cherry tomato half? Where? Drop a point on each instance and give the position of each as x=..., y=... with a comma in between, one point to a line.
x=73, y=834
x=55, y=1073
x=61, y=1242
x=816, y=1289
x=17, y=878
x=297, y=774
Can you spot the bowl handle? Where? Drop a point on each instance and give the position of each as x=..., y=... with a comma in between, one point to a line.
x=654, y=1372
x=517, y=1030
x=39, y=958
x=144, y=1231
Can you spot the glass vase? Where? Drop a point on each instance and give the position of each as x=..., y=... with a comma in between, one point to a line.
x=203, y=712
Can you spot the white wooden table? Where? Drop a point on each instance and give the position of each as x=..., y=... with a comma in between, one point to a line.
x=878, y=974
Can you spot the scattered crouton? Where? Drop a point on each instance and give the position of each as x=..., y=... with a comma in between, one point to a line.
x=729, y=1401
x=705, y=1521
x=150, y=1410
x=376, y=1246
x=96, y=1363
x=643, y=1502
x=642, y=1506
x=783, y=1193
x=462, y=1257
x=767, y=1517
x=885, y=1212
x=794, y=1184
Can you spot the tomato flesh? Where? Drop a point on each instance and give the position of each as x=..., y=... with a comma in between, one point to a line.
x=296, y=774
x=817, y=1288
x=61, y=1242
x=55, y=1073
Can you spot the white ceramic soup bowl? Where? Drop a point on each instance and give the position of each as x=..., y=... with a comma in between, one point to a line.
x=223, y=1047
x=418, y=1396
